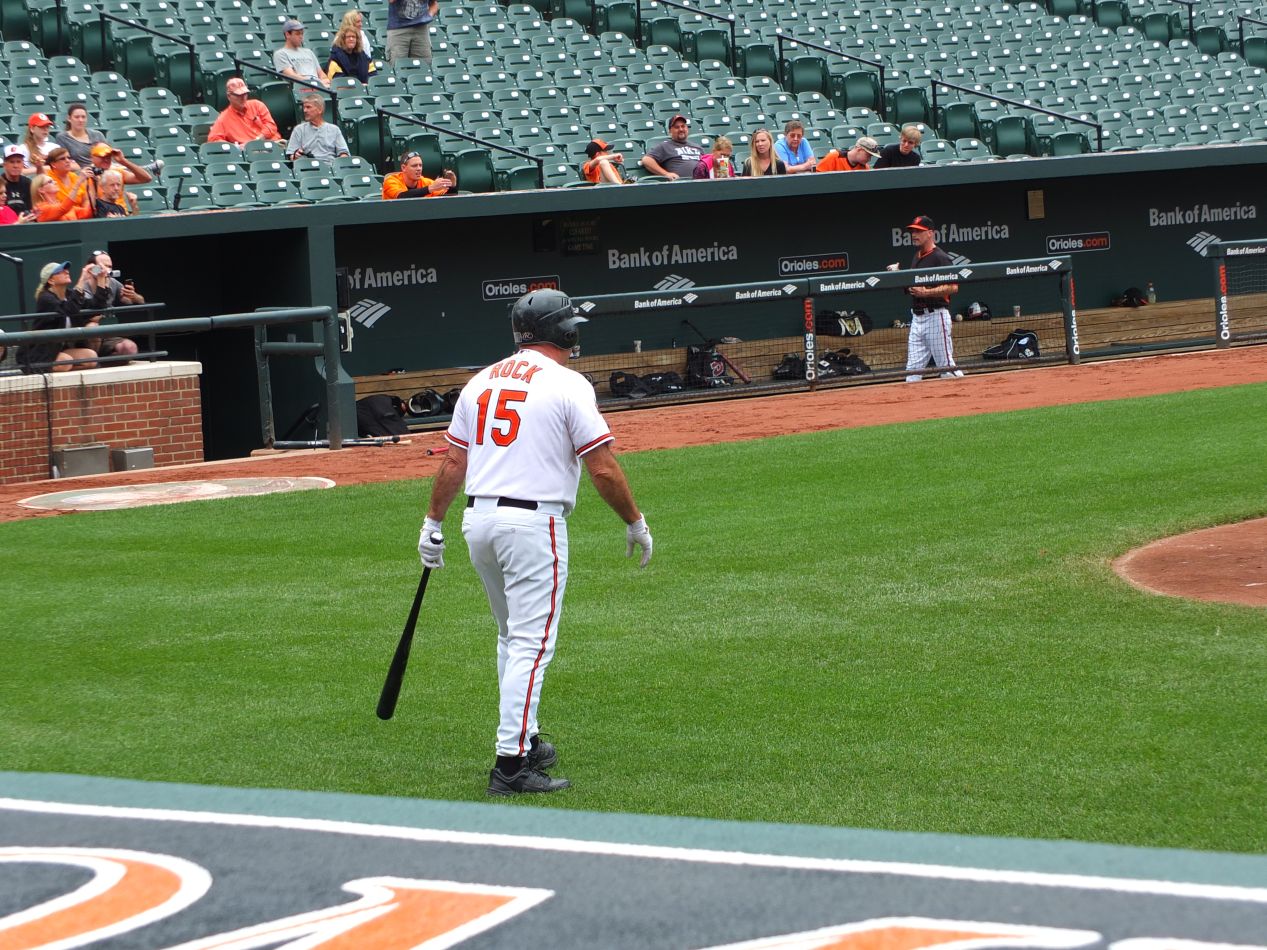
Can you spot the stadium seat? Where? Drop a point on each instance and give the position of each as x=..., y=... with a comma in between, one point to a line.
x=278, y=191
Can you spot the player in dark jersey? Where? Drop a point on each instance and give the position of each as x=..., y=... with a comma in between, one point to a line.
x=930, y=306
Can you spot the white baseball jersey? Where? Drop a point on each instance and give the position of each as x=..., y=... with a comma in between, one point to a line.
x=525, y=423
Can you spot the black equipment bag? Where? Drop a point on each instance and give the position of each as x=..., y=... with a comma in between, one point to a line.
x=840, y=363
x=1017, y=345
x=661, y=383
x=627, y=384
x=426, y=402
x=705, y=368
x=380, y=415
x=1130, y=297
x=842, y=322
x=792, y=366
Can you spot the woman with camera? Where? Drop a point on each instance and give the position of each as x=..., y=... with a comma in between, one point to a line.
x=61, y=307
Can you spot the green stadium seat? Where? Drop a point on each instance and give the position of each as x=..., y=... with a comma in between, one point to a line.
x=323, y=189
x=149, y=200
x=233, y=193
x=967, y=150
x=277, y=191
x=362, y=185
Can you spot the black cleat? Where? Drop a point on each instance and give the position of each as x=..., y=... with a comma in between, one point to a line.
x=543, y=756
x=524, y=781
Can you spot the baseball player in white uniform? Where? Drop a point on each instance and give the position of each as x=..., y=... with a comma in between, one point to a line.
x=930, y=308
x=520, y=430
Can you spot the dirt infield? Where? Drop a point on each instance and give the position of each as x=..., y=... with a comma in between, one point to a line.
x=731, y=421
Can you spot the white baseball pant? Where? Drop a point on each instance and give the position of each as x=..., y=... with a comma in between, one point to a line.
x=930, y=336
x=521, y=557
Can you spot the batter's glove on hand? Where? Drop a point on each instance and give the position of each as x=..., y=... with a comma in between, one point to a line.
x=638, y=535
x=431, y=544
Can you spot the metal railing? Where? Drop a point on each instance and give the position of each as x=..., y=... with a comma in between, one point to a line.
x=194, y=86
x=20, y=266
x=1190, y=4
x=728, y=20
x=870, y=63
x=1241, y=20
x=444, y=130
x=326, y=349
x=1099, y=129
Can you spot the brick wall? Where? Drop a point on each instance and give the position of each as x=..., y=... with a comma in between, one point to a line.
x=148, y=405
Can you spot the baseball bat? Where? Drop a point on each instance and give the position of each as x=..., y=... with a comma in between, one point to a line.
x=438, y=451
x=734, y=368
x=396, y=672
x=325, y=443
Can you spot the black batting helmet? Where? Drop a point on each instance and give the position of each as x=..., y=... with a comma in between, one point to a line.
x=546, y=316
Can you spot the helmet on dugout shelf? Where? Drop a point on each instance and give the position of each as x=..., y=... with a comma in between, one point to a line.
x=546, y=316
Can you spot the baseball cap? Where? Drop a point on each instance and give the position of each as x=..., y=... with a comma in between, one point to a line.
x=48, y=270
x=669, y=124
x=921, y=223
x=868, y=145
x=596, y=146
x=39, y=118
x=14, y=151
x=237, y=86
x=292, y=26
x=101, y=150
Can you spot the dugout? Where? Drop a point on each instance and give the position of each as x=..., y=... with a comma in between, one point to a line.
x=431, y=280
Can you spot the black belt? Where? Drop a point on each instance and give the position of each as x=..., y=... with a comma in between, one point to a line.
x=926, y=310
x=508, y=503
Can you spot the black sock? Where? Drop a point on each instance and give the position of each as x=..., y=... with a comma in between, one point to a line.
x=533, y=743
x=510, y=764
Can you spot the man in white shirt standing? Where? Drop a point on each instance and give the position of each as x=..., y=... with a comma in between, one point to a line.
x=520, y=430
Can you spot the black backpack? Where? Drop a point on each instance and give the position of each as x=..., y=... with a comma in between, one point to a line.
x=1130, y=297
x=705, y=368
x=1017, y=345
x=380, y=415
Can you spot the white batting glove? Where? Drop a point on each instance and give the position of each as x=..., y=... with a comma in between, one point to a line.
x=431, y=544
x=638, y=535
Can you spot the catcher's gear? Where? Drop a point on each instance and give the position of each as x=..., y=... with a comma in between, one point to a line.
x=431, y=544
x=546, y=316
x=638, y=535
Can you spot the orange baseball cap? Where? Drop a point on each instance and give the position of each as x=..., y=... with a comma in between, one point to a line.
x=39, y=118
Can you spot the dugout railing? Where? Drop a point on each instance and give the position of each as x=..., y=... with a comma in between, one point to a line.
x=326, y=350
x=798, y=305
x=1240, y=291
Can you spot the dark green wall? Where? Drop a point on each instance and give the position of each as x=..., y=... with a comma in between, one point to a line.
x=427, y=265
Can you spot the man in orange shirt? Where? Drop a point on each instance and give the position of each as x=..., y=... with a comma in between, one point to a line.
x=857, y=159
x=245, y=119
x=409, y=183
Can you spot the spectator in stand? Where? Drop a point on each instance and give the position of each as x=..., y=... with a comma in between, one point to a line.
x=675, y=157
x=314, y=137
x=602, y=164
x=903, y=154
x=410, y=183
x=717, y=163
x=112, y=201
x=104, y=157
x=348, y=56
x=118, y=294
x=244, y=119
x=356, y=20
x=37, y=143
x=17, y=187
x=78, y=139
x=409, y=29
x=761, y=159
x=794, y=150
x=856, y=159
x=52, y=203
x=71, y=194
x=296, y=60
x=64, y=306
x=122, y=293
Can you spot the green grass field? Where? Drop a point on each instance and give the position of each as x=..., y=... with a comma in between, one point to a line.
x=907, y=627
